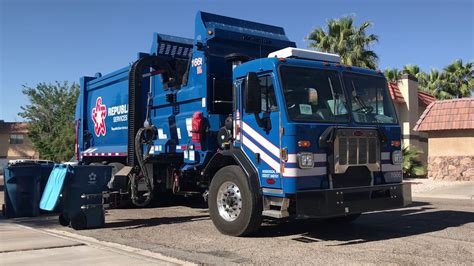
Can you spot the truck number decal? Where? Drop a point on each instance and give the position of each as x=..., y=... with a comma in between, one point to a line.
x=197, y=63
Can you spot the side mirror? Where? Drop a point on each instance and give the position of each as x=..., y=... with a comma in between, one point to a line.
x=253, y=93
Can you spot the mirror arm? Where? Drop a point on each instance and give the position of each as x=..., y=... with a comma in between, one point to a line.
x=264, y=123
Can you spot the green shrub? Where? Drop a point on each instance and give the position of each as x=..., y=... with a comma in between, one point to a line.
x=412, y=167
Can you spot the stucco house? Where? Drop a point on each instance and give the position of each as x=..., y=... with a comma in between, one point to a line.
x=449, y=125
x=409, y=106
x=14, y=143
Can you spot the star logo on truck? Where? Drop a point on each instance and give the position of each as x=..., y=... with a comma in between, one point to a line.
x=98, y=117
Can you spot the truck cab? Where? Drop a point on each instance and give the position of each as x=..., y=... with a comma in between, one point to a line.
x=317, y=131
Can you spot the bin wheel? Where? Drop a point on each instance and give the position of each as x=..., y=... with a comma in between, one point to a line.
x=63, y=220
x=79, y=221
x=4, y=213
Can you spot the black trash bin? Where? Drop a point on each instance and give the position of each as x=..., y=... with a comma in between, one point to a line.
x=23, y=186
x=82, y=189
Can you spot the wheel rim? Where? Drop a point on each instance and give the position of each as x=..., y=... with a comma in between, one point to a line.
x=229, y=201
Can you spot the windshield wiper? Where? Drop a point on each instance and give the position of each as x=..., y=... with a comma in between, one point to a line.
x=358, y=99
x=335, y=97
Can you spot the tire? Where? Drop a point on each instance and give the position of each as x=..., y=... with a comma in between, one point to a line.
x=234, y=223
x=79, y=221
x=63, y=220
x=343, y=219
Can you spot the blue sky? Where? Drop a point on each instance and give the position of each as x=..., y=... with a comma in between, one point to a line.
x=58, y=40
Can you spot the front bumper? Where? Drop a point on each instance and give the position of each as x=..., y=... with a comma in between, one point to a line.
x=344, y=201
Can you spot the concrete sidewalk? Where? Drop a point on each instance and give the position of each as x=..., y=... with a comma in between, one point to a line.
x=427, y=188
x=21, y=245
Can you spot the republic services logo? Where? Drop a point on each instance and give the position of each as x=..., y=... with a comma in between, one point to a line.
x=98, y=117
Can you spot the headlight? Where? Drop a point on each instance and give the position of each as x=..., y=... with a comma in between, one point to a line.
x=305, y=160
x=397, y=157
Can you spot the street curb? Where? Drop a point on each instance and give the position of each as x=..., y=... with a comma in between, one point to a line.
x=442, y=196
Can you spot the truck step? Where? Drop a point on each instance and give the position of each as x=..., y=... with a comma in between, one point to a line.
x=275, y=214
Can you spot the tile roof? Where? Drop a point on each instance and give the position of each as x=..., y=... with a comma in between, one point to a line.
x=395, y=93
x=13, y=127
x=424, y=98
x=447, y=115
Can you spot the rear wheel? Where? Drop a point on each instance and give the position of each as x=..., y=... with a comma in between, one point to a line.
x=235, y=206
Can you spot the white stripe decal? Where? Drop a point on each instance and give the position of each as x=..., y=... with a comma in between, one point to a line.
x=317, y=157
x=272, y=190
x=90, y=150
x=390, y=167
x=265, y=157
x=261, y=140
x=385, y=156
x=296, y=172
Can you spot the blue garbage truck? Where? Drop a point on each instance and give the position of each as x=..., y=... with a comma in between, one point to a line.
x=242, y=117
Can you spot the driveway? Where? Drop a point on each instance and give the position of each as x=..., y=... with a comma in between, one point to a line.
x=431, y=231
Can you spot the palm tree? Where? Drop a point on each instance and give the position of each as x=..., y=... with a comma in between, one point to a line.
x=413, y=70
x=435, y=84
x=460, y=78
x=349, y=41
x=392, y=74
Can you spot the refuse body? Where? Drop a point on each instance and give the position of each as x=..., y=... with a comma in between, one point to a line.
x=82, y=189
x=24, y=181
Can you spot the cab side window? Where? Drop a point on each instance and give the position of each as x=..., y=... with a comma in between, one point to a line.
x=269, y=103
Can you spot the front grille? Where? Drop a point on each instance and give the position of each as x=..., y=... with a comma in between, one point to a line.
x=355, y=147
x=357, y=151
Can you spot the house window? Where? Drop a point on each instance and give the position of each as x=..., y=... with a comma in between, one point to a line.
x=16, y=139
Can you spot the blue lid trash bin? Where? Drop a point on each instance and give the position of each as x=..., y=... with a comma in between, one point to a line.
x=81, y=188
x=23, y=185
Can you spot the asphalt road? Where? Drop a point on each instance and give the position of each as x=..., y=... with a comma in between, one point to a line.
x=431, y=231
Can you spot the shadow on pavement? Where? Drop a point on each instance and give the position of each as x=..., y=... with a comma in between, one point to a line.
x=372, y=226
x=149, y=222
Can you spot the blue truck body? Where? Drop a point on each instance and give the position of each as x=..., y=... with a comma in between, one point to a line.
x=193, y=92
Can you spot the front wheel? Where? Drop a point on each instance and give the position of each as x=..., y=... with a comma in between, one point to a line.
x=235, y=206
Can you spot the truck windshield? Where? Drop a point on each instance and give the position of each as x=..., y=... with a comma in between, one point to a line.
x=370, y=102
x=313, y=95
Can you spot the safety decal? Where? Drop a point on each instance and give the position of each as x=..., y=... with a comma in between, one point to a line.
x=98, y=117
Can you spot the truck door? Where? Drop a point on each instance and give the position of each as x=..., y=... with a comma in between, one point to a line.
x=262, y=145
